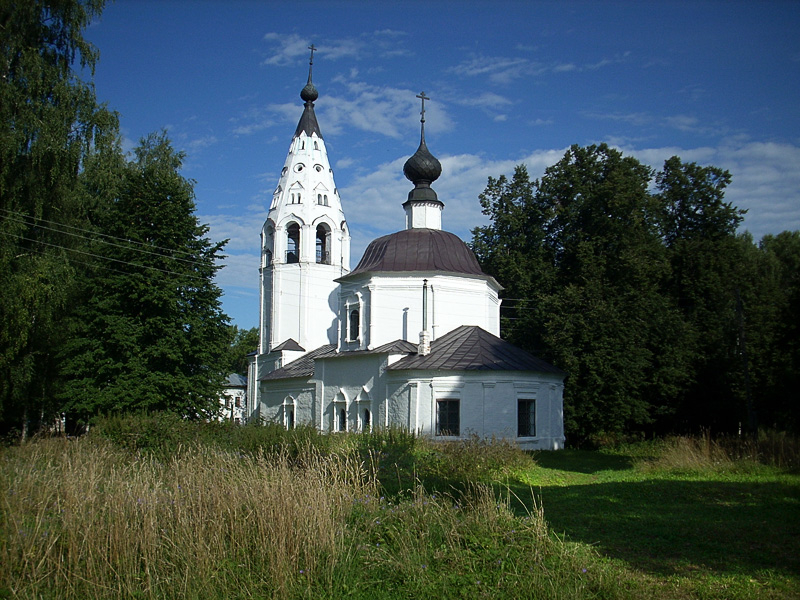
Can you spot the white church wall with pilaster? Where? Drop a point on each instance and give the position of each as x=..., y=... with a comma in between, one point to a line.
x=391, y=307
x=355, y=383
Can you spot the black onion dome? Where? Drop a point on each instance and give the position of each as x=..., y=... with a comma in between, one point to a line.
x=419, y=250
x=309, y=93
x=422, y=167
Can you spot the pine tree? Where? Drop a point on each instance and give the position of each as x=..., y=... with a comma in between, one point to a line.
x=150, y=333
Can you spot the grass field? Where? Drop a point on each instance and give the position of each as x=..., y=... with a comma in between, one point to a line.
x=142, y=509
x=728, y=530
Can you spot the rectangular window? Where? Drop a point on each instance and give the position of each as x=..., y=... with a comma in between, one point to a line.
x=526, y=418
x=447, y=417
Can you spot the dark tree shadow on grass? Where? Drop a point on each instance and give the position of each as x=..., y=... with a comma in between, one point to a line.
x=582, y=461
x=675, y=527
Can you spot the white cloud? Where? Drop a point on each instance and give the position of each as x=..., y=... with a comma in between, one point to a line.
x=384, y=110
x=484, y=100
x=765, y=179
x=564, y=67
x=290, y=48
x=200, y=143
x=240, y=271
x=498, y=69
x=242, y=231
x=379, y=195
x=286, y=48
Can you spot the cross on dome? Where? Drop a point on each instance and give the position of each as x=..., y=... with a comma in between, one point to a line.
x=310, y=93
x=422, y=97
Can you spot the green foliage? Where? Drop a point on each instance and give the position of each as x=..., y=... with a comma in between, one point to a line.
x=585, y=277
x=149, y=333
x=242, y=343
x=167, y=434
x=50, y=124
x=663, y=318
x=780, y=363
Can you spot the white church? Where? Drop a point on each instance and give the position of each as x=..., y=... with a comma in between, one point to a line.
x=407, y=339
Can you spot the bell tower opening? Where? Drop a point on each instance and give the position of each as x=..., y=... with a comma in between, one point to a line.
x=323, y=244
x=293, y=243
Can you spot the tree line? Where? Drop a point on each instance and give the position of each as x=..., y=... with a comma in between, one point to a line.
x=107, y=293
x=636, y=283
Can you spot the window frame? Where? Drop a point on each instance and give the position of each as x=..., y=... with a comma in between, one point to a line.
x=452, y=412
x=529, y=431
x=353, y=323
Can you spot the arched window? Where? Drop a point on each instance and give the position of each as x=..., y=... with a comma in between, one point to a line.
x=316, y=146
x=288, y=412
x=353, y=325
x=366, y=421
x=293, y=243
x=342, y=417
x=323, y=244
x=325, y=199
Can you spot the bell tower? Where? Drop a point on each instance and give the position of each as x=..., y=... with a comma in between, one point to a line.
x=305, y=247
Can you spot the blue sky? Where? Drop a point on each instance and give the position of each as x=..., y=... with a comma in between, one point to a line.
x=510, y=82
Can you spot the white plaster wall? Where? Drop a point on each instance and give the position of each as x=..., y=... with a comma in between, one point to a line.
x=488, y=404
x=274, y=395
x=407, y=399
x=361, y=380
x=303, y=305
x=392, y=306
x=229, y=410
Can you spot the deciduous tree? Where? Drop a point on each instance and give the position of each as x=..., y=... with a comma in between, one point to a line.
x=49, y=123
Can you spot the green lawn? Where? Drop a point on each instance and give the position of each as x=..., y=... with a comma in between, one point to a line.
x=716, y=533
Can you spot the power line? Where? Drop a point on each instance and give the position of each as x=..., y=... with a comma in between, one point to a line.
x=98, y=256
x=30, y=221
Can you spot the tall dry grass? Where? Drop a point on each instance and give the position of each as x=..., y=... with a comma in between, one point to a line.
x=83, y=520
x=87, y=519
x=708, y=453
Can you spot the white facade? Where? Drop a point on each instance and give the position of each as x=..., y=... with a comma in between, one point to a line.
x=360, y=392
x=233, y=403
x=390, y=307
x=305, y=246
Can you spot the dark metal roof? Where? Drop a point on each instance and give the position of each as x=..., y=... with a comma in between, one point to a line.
x=302, y=367
x=236, y=380
x=470, y=348
x=419, y=250
x=308, y=122
x=289, y=344
x=395, y=347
